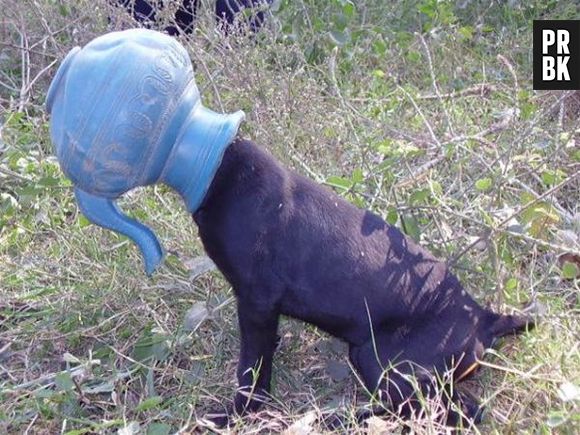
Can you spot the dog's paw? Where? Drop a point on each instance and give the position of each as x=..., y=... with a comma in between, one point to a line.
x=471, y=407
x=469, y=412
x=218, y=419
x=335, y=422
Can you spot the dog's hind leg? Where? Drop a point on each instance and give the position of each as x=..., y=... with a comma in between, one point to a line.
x=404, y=388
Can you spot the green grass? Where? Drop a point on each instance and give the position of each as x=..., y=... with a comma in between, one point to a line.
x=422, y=111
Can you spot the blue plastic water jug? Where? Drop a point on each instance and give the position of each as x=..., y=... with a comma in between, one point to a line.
x=125, y=112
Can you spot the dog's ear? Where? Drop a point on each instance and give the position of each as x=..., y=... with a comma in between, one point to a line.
x=508, y=324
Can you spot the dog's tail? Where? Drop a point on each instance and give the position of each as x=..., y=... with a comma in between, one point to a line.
x=511, y=324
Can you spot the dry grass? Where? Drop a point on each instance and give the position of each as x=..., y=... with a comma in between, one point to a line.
x=438, y=131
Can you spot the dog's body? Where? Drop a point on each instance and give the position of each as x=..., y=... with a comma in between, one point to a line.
x=291, y=247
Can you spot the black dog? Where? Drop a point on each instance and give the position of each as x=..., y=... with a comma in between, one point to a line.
x=289, y=246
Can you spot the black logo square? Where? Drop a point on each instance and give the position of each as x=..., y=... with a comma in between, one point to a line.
x=556, y=54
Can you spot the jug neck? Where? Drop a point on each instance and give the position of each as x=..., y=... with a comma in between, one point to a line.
x=198, y=152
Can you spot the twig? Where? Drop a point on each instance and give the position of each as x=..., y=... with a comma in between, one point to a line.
x=474, y=137
x=199, y=61
x=86, y=330
x=49, y=379
x=511, y=69
x=11, y=87
x=337, y=91
x=134, y=361
x=520, y=373
x=25, y=68
x=29, y=427
x=49, y=34
x=420, y=172
x=481, y=90
x=302, y=163
x=435, y=87
x=13, y=174
x=347, y=106
x=420, y=112
x=558, y=207
x=38, y=75
x=513, y=215
x=553, y=246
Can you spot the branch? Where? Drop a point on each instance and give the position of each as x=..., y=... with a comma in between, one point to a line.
x=510, y=217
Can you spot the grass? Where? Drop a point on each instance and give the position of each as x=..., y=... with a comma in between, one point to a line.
x=422, y=111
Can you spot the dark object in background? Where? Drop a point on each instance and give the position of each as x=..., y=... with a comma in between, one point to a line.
x=226, y=12
x=289, y=246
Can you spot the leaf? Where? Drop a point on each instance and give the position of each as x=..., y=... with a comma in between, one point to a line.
x=81, y=431
x=435, y=187
x=83, y=221
x=48, y=182
x=379, y=47
x=297, y=24
x=379, y=73
x=410, y=227
x=195, y=316
x=428, y=7
x=385, y=147
x=413, y=56
x=132, y=428
x=511, y=284
x=483, y=184
x=408, y=149
x=348, y=9
x=70, y=358
x=392, y=216
x=103, y=387
x=556, y=419
x=150, y=403
x=420, y=196
x=357, y=176
x=63, y=10
x=466, y=32
x=341, y=183
x=150, y=347
x=338, y=37
x=64, y=382
x=158, y=429
x=549, y=178
x=568, y=392
x=570, y=271
x=539, y=217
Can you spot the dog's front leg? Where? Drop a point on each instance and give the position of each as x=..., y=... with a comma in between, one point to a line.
x=258, y=330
